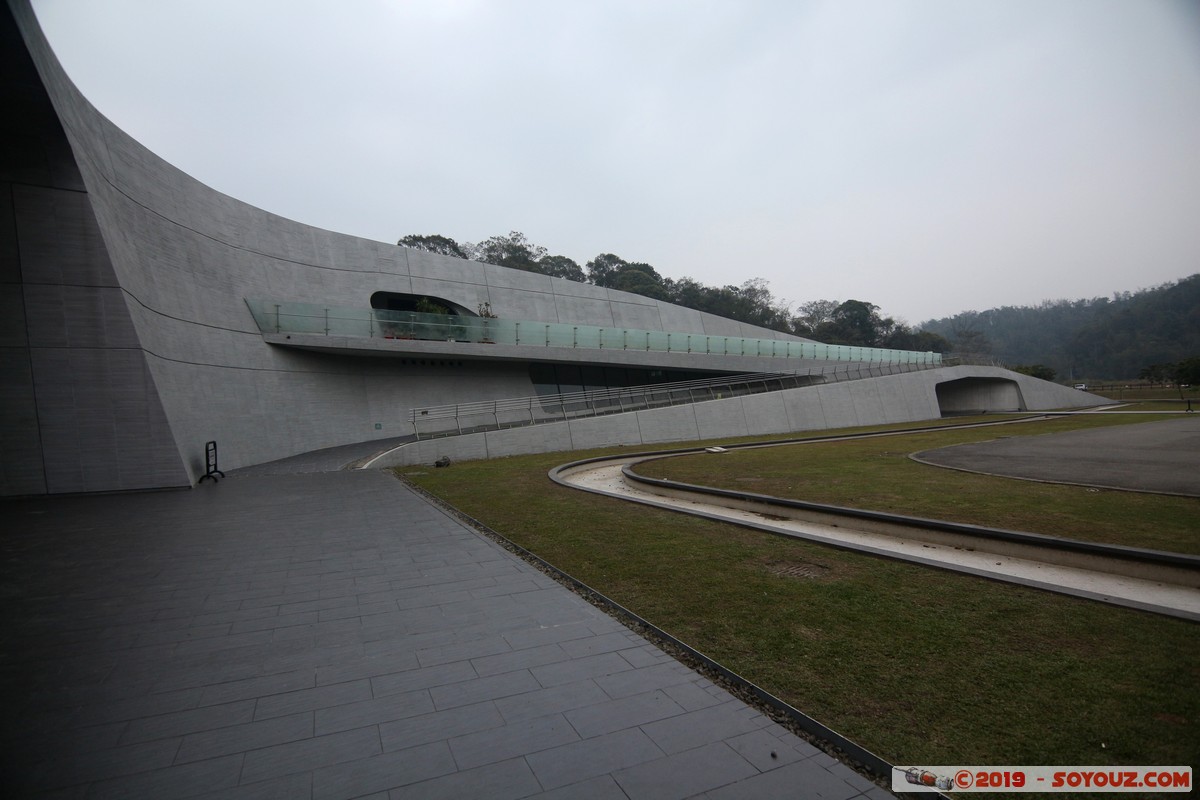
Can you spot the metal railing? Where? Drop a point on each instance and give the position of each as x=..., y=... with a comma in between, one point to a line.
x=459, y=418
x=307, y=318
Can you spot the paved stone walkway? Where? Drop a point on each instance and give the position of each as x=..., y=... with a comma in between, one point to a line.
x=330, y=459
x=335, y=636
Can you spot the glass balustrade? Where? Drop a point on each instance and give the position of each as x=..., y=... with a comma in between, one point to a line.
x=308, y=318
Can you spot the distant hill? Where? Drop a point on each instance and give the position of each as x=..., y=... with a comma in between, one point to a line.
x=1098, y=339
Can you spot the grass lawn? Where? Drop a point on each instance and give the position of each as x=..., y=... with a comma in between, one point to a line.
x=1156, y=405
x=1123, y=394
x=877, y=474
x=916, y=664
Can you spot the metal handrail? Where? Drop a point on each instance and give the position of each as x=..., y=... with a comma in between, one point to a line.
x=588, y=395
x=542, y=409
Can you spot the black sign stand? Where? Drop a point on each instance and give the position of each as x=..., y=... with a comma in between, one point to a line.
x=210, y=459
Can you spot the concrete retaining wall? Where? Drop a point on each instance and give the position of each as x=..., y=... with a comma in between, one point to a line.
x=910, y=397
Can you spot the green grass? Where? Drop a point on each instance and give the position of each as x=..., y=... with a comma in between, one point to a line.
x=916, y=664
x=1136, y=393
x=877, y=474
x=1155, y=405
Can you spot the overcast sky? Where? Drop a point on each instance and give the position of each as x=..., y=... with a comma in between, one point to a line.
x=930, y=157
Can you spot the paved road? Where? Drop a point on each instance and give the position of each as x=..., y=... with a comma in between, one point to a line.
x=1161, y=456
x=335, y=636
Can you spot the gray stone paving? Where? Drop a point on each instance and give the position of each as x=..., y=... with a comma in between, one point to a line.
x=329, y=459
x=335, y=636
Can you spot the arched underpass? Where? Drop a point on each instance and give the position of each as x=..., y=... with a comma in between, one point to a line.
x=976, y=395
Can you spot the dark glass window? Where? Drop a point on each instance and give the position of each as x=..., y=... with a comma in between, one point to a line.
x=399, y=301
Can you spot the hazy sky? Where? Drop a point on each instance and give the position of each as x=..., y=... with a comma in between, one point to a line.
x=930, y=157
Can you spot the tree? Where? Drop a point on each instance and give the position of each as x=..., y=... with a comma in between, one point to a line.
x=931, y=341
x=969, y=339
x=720, y=300
x=514, y=251
x=1188, y=371
x=517, y=252
x=905, y=338
x=855, y=323
x=858, y=323
x=613, y=272
x=561, y=267
x=442, y=245
x=1156, y=373
x=640, y=279
x=632, y=267
x=602, y=270
x=812, y=315
x=427, y=306
x=757, y=306
x=689, y=293
x=1183, y=372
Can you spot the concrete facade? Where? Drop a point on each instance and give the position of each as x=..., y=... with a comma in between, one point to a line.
x=80, y=409
x=910, y=397
x=127, y=342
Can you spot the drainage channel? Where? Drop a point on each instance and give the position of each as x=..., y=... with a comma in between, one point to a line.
x=1162, y=583
x=614, y=477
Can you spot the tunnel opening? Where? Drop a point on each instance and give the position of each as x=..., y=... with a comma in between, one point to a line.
x=966, y=396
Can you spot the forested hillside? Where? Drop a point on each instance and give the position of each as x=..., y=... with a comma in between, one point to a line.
x=1144, y=333
x=1099, y=339
x=853, y=322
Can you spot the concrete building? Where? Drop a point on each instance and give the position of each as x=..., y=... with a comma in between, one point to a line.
x=145, y=314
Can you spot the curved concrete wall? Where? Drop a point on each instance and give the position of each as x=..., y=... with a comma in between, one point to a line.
x=129, y=344
x=79, y=407
x=908, y=397
x=157, y=270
